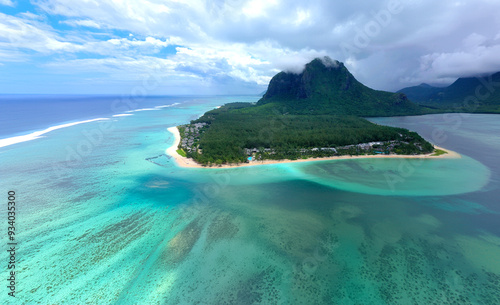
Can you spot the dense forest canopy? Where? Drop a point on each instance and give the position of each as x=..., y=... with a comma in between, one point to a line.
x=229, y=130
x=313, y=114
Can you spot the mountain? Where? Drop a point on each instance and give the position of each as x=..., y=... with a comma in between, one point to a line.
x=317, y=113
x=470, y=94
x=421, y=93
x=327, y=87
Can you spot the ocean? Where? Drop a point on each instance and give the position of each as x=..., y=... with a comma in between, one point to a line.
x=103, y=216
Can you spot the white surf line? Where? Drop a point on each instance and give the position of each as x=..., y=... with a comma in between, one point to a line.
x=143, y=109
x=38, y=134
x=152, y=109
x=165, y=106
x=122, y=114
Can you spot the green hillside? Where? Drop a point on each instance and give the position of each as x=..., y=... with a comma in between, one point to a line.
x=316, y=113
x=422, y=93
x=327, y=87
x=469, y=94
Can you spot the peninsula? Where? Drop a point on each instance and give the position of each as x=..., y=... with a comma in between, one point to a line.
x=315, y=115
x=184, y=161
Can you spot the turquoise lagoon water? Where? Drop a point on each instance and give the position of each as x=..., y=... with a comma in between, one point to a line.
x=107, y=218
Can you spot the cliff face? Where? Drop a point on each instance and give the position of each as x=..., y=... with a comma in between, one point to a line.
x=316, y=73
x=283, y=84
x=327, y=87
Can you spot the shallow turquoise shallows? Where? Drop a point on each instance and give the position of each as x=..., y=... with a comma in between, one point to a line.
x=105, y=217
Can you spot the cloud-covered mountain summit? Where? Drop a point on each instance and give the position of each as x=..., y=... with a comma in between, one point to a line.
x=326, y=86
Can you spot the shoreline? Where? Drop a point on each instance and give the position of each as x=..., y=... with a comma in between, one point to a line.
x=187, y=162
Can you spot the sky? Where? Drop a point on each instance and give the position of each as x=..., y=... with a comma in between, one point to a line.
x=191, y=47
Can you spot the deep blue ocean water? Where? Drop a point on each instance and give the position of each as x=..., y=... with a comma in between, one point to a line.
x=21, y=113
x=104, y=216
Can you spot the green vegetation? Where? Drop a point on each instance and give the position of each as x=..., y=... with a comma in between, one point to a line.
x=181, y=152
x=312, y=114
x=327, y=87
x=230, y=134
x=439, y=152
x=468, y=94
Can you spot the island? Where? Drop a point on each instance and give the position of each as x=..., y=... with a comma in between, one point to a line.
x=318, y=114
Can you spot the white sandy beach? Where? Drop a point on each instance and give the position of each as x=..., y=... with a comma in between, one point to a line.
x=188, y=162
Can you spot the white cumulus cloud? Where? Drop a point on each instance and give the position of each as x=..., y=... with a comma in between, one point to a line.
x=387, y=44
x=7, y=2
